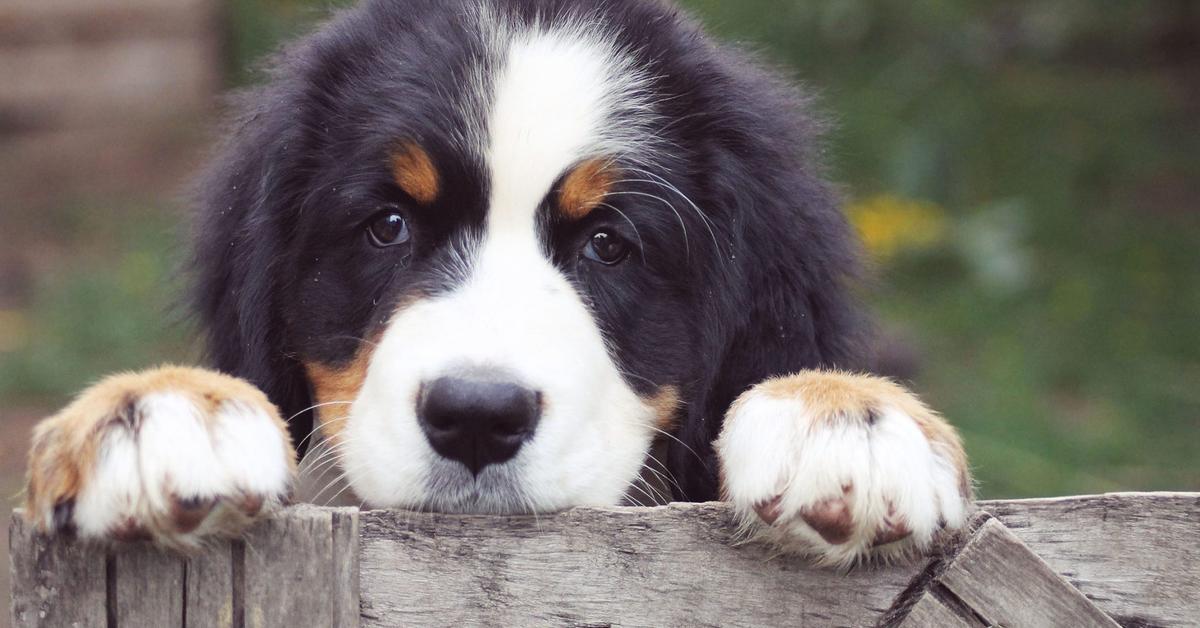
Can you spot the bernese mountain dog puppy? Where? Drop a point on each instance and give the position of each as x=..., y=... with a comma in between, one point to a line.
x=500, y=256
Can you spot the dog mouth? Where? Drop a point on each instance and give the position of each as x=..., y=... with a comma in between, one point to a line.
x=495, y=489
x=449, y=488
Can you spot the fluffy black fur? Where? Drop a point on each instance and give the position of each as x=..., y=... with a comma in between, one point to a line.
x=283, y=274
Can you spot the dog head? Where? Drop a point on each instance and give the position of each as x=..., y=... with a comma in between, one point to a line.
x=498, y=248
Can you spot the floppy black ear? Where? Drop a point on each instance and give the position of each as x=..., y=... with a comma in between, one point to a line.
x=239, y=267
x=785, y=303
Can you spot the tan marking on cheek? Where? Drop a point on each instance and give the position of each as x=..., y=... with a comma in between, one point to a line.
x=335, y=388
x=585, y=188
x=665, y=402
x=413, y=171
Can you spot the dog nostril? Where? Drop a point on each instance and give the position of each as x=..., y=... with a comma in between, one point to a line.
x=479, y=418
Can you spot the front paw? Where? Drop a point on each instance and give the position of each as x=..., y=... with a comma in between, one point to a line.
x=844, y=468
x=170, y=455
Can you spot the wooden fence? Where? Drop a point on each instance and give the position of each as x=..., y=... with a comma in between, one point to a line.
x=1119, y=559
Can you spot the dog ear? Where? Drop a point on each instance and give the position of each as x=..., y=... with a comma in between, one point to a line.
x=239, y=262
x=787, y=303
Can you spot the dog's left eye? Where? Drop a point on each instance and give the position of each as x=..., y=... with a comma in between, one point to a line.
x=607, y=248
x=388, y=228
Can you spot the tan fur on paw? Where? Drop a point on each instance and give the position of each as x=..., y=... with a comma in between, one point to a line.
x=844, y=468
x=171, y=454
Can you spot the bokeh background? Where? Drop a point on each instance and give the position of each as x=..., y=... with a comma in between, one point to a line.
x=1025, y=175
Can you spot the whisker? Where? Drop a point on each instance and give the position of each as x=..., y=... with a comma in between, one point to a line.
x=354, y=338
x=315, y=406
x=682, y=225
x=318, y=424
x=676, y=439
x=666, y=478
x=667, y=185
x=317, y=429
x=641, y=245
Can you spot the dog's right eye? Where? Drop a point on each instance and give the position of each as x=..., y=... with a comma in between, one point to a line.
x=388, y=228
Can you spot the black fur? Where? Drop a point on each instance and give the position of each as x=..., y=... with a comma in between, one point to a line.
x=761, y=290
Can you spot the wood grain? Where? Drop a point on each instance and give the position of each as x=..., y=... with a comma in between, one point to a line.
x=1002, y=583
x=55, y=583
x=344, y=593
x=667, y=566
x=208, y=595
x=149, y=587
x=1136, y=555
x=1132, y=556
x=930, y=611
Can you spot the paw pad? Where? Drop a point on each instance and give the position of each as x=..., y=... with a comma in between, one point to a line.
x=831, y=518
x=188, y=513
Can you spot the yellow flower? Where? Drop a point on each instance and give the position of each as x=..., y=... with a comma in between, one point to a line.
x=889, y=224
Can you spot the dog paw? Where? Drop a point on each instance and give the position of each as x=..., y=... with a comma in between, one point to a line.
x=172, y=455
x=843, y=468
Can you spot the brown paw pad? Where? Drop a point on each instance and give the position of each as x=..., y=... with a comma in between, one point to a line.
x=769, y=510
x=187, y=513
x=831, y=519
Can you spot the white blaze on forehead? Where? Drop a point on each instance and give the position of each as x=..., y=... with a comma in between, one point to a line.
x=560, y=95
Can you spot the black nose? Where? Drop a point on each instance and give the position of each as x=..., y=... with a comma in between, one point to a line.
x=477, y=420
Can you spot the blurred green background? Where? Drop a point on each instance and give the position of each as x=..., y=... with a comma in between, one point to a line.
x=1025, y=176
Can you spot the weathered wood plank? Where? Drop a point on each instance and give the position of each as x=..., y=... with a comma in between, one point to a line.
x=1136, y=555
x=149, y=587
x=931, y=612
x=344, y=585
x=1005, y=584
x=209, y=591
x=672, y=565
x=55, y=583
x=288, y=569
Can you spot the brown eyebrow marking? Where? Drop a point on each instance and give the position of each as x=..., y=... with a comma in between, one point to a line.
x=585, y=188
x=413, y=171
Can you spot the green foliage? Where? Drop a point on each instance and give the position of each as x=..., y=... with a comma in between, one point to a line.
x=109, y=304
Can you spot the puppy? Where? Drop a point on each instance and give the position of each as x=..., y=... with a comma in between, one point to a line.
x=493, y=253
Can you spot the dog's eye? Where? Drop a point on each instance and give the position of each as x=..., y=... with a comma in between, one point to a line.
x=388, y=228
x=607, y=248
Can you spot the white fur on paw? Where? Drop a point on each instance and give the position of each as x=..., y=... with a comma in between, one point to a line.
x=841, y=489
x=173, y=474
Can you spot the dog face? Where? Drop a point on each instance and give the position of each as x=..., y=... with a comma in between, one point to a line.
x=501, y=246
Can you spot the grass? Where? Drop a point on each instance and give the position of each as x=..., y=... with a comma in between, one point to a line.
x=106, y=302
